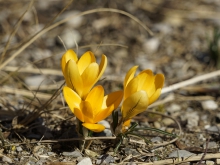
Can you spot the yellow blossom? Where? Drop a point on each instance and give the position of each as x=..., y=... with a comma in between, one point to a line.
x=82, y=74
x=94, y=108
x=139, y=92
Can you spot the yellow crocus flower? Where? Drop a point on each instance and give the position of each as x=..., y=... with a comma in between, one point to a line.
x=94, y=108
x=82, y=74
x=139, y=92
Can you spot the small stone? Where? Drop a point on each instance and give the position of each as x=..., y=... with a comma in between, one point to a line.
x=156, y=140
x=217, y=161
x=105, y=123
x=151, y=45
x=19, y=149
x=70, y=37
x=145, y=63
x=74, y=22
x=173, y=108
x=73, y=154
x=35, y=80
x=108, y=132
x=105, y=160
x=209, y=105
x=84, y=161
x=212, y=128
x=208, y=162
x=168, y=121
x=6, y=159
x=51, y=154
x=210, y=145
x=157, y=125
x=180, y=154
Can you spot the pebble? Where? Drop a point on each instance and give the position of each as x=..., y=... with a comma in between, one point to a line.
x=73, y=154
x=157, y=125
x=6, y=159
x=36, y=80
x=19, y=149
x=105, y=160
x=145, y=63
x=70, y=37
x=180, y=154
x=211, y=145
x=84, y=161
x=156, y=140
x=151, y=45
x=108, y=132
x=209, y=105
x=105, y=123
x=173, y=108
x=209, y=162
x=74, y=22
x=168, y=121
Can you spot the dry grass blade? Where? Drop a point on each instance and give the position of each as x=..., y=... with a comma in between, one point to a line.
x=190, y=81
x=182, y=160
x=36, y=36
x=14, y=31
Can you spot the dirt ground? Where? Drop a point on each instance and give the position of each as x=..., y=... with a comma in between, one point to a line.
x=180, y=39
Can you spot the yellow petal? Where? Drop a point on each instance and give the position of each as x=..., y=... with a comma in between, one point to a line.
x=87, y=111
x=78, y=113
x=159, y=81
x=89, y=77
x=103, y=113
x=142, y=78
x=102, y=66
x=130, y=75
x=86, y=59
x=134, y=104
x=112, y=98
x=155, y=96
x=94, y=127
x=72, y=98
x=131, y=87
x=95, y=98
x=149, y=84
x=73, y=77
x=69, y=55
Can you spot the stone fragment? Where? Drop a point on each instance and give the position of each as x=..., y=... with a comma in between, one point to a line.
x=173, y=108
x=180, y=154
x=73, y=154
x=6, y=159
x=209, y=105
x=105, y=159
x=84, y=161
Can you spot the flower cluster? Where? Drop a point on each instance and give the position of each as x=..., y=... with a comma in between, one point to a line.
x=89, y=104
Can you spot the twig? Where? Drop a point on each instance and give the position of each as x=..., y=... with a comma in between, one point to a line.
x=190, y=81
x=36, y=36
x=181, y=160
